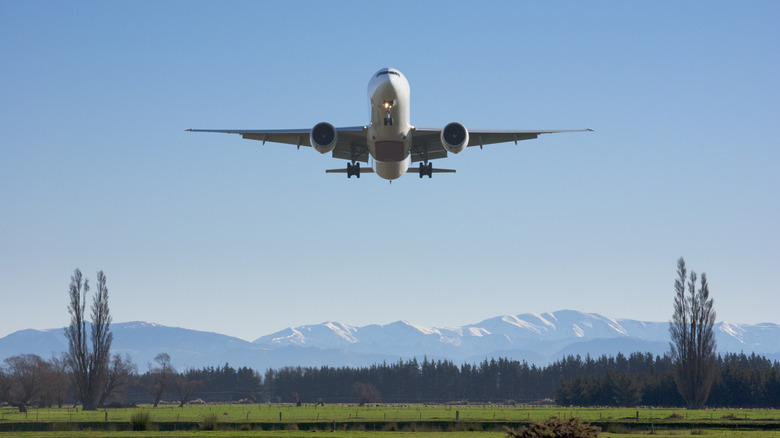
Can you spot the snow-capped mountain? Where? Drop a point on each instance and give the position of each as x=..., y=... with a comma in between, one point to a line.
x=548, y=335
x=536, y=338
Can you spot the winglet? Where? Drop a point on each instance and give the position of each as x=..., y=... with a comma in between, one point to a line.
x=188, y=130
x=591, y=129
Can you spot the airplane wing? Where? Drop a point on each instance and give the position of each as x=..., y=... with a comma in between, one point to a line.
x=351, y=140
x=427, y=141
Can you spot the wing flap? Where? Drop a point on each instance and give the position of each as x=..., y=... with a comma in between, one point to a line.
x=298, y=137
x=351, y=144
x=344, y=170
x=426, y=142
x=434, y=170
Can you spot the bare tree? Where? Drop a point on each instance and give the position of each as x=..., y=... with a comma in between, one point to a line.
x=365, y=393
x=693, y=340
x=77, y=335
x=89, y=366
x=101, y=333
x=186, y=385
x=120, y=372
x=56, y=382
x=159, y=377
x=5, y=386
x=26, y=373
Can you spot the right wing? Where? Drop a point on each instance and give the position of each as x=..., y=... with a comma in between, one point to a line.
x=351, y=144
x=426, y=142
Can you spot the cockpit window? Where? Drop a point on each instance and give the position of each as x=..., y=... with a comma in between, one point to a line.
x=388, y=72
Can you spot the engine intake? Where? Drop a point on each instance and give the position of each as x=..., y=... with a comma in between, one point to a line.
x=454, y=137
x=323, y=137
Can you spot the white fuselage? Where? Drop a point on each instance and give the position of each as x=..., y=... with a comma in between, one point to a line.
x=389, y=133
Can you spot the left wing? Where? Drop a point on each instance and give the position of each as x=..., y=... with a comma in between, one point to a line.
x=351, y=143
x=426, y=142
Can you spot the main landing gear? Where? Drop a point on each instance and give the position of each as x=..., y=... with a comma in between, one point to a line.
x=426, y=169
x=353, y=169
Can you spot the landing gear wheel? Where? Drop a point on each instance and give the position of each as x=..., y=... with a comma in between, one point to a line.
x=426, y=169
x=353, y=169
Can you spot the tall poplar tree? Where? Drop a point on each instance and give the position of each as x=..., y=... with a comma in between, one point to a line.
x=693, y=339
x=88, y=364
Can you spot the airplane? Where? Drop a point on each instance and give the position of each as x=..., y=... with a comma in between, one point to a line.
x=390, y=139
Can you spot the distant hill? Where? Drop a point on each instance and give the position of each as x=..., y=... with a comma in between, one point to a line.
x=535, y=338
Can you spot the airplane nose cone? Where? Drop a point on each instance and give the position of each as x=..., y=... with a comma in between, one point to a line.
x=391, y=87
x=388, y=88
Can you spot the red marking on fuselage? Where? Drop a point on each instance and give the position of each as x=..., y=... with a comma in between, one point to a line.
x=388, y=151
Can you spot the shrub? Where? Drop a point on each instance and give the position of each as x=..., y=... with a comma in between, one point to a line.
x=390, y=427
x=555, y=427
x=140, y=420
x=210, y=422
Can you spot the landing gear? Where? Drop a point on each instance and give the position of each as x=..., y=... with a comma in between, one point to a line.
x=388, y=116
x=426, y=169
x=353, y=169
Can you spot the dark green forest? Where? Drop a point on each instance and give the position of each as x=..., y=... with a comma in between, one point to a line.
x=637, y=380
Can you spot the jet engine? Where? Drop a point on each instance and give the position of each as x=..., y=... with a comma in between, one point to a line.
x=454, y=137
x=323, y=137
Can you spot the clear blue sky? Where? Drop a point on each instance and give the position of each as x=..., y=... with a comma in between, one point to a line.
x=216, y=233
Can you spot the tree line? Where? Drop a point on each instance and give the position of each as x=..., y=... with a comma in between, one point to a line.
x=742, y=381
x=28, y=380
x=639, y=379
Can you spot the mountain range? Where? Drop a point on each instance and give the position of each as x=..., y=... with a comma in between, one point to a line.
x=535, y=338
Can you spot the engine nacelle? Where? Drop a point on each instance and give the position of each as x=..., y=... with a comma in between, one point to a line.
x=323, y=137
x=454, y=137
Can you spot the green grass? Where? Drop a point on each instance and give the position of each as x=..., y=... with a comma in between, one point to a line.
x=419, y=421
x=421, y=413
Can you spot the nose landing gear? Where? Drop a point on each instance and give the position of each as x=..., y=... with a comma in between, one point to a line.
x=388, y=116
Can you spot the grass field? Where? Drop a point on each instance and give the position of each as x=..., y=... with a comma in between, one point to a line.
x=421, y=413
x=422, y=421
